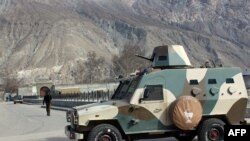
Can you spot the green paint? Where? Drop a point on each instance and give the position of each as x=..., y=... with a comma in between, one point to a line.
x=176, y=60
x=171, y=79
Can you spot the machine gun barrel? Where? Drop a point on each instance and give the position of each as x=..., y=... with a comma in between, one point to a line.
x=149, y=59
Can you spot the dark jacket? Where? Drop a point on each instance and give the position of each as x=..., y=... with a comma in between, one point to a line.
x=47, y=99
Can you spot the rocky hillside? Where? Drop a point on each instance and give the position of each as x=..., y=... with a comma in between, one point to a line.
x=45, y=38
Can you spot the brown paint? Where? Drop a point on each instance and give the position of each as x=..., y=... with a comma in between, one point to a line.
x=237, y=111
x=136, y=111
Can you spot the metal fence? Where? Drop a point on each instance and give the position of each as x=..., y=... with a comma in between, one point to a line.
x=94, y=96
x=73, y=99
x=31, y=97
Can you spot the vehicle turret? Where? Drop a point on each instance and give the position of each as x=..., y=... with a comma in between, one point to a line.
x=169, y=56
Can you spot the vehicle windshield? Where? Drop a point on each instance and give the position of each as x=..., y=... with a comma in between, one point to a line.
x=126, y=89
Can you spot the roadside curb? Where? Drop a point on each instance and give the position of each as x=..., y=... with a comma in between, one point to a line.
x=52, y=107
x=57, y=108
x=28, y=103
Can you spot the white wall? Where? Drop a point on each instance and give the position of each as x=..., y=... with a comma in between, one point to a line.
x=25, y=91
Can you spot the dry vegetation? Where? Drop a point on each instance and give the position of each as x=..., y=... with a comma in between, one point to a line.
x=96, y=69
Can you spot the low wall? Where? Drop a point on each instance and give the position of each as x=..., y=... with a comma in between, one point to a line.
x=71, y=100
x=68, y=104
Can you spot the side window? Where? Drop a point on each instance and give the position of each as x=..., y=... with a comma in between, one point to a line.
x=194, y=82
x=229, y=80
x=212, y=81
x=153, y=92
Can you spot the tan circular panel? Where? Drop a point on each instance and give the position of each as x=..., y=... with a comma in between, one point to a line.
x=186, y=112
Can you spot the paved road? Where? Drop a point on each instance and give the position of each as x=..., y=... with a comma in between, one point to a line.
x=22, y=122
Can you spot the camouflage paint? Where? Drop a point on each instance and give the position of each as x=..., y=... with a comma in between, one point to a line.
x=237, y=111
x=176, y=82
x=143, y=126
x=220, y=74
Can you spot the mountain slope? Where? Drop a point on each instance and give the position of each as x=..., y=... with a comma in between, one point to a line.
x=49, y=34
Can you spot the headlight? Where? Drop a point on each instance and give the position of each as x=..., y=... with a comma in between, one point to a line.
x=75, y=115
x=72, y=116
x=68, y=115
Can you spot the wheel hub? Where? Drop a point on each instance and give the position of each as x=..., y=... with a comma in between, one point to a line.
x=105, y=138
x=214, y=134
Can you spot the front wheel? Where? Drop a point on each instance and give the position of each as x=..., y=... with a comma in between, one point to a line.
x=104, y=132
x=211, y=130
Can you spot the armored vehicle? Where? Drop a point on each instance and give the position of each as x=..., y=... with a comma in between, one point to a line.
x=170, y=99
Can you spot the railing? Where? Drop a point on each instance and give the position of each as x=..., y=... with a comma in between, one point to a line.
x=31, y=97
x=94, y=96
x=73, y=99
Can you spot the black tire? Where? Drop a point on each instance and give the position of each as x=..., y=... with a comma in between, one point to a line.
x=14, y=102
x=188, y=137
x=105, y=132
x=211, y=130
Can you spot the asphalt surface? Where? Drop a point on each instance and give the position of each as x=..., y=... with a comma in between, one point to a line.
x=20, y=122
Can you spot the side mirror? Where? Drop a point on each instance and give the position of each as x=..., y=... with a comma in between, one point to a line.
x=140, y=100
x=145, y=95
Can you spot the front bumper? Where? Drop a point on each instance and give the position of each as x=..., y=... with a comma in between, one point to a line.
x=71, y=134
x=18, y=101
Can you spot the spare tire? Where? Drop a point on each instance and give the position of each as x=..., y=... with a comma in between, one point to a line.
x=186, y=112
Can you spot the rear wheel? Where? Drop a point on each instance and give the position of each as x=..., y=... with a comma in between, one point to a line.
x=211, y=130
x=104, y=132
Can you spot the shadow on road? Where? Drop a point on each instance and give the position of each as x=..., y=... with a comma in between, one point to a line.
x=57, y=139
x=42, y=115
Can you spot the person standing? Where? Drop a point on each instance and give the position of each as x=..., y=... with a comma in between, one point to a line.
x=47, y=98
